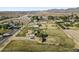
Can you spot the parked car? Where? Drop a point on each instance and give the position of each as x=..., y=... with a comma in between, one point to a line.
x=6, y=34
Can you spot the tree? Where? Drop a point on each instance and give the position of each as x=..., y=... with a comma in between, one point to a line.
x=76, y=17
x=34, y=18
x=42, y=34
x=50, y=17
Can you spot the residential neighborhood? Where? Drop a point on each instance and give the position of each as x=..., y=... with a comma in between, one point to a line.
x=39, y=31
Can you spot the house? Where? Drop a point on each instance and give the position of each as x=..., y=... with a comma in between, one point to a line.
x=13, y=26
x=30, y=35
x=45, y=17
x=67, y=23
x=59, y=20
x=72, y=20
x=34, y=25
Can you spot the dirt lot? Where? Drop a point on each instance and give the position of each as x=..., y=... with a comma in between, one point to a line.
x=12, y=14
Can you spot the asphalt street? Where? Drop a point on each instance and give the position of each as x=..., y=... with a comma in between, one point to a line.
x=12, y=32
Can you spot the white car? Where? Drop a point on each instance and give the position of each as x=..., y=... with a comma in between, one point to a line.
x=6, y=34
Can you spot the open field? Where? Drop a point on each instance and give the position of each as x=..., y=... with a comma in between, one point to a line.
x=23, y=32
x=59, y=38
x=12, y=14
x=32, y=46
x=74, y=34
x=52, y=14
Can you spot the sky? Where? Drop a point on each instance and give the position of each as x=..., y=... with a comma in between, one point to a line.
x=35, y=5
x=39, y=3
x=29, y=8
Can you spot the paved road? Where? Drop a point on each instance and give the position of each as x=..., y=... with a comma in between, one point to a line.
x=12, y=32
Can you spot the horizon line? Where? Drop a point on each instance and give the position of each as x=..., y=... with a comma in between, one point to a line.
x=31, y=8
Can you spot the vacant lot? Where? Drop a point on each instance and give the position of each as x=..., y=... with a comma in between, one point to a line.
x=75, y=35
x=31, y=46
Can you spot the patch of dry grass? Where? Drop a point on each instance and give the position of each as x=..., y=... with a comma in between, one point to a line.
x=32, y=46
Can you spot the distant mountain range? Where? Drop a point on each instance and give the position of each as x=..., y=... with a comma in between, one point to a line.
x=64, y=10
x=50, y=11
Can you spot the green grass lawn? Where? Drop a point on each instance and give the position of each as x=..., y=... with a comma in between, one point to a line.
x=32, y=46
